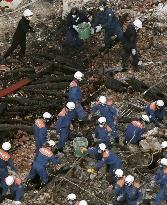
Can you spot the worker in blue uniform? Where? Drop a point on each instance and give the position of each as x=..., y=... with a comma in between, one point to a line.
x=107, y=20
x=156, y=112
x=16, y=188
x=75, y=95
x=104, y=108
x=40, y=131
x=74, y=18
x=161, y=180
x=130, y=45
x=40, y=163
x=133, y=192
x=103, y=133
x=119, y=190
x=135, y=130
x=63, y=124
x=5, y=161
x=96, y=152
x=112, y=162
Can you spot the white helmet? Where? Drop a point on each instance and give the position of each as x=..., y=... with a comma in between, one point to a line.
x=47, y=115
x=78, y=75
x=6, y=146
x=102, y=120
x=102, y=99
x=138, y=23
x=119, y=173
x=164, y=161
x=129, y=179
x=71, y=197
x=164, y=144
x=70, y=105
x=160, y=103
x=9, y=180
x=27, y=13
x=102, y=146
x=83, y=202
x=51, y=143
x=145, y=118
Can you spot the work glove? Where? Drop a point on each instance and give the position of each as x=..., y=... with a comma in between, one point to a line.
x=139, y=63
x=16, y=202
x=75, y=27
x=91, y=171
x=83, y=149
x=120, y=197
x=133, y=52
x=98, y=28
x=89, y=24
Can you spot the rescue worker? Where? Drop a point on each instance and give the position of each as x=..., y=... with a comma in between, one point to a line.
x=111, y=160
x=161, y=180
x=16, y=188
x=107, y=20
x=40, y=163
x=40, y=131
x=75, y=95
x=104, y=108
x=129, y=45
x=96, y=152
x=132, y=191
x=103, y=133
x=119, y=189
x=164, y=149
x=19, y=38
x=156, y=112
x=74, y=18
x=63, y=124
x=135, y=130
x=5, y=161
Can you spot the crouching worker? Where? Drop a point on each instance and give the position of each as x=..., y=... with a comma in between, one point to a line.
x=40, y=163
x=96, y=152
x=135, y=130
x=16, y=188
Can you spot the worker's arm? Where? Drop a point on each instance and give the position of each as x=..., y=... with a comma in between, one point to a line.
x=19, y=193
x=11, y=165
x=100, y=164
x=54, y=160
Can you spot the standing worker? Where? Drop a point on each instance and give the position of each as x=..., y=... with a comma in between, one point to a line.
x=107, y=20
x=19, y=38
x=40, y=131
x=74, y=18
x=75, y=95
x=63, y=124
x=5, y=161
x=129, y=44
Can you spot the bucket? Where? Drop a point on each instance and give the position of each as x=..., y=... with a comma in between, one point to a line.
x=84, y=31
x=78, y=143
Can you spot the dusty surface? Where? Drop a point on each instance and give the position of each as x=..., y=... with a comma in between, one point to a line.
x=152, y=44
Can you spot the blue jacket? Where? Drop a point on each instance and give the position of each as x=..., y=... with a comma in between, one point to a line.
x=63, y=121
x=161, y=179
x=120, y=193
x=44, y=157
x=74, y=92
x=130, y=37
x=133, y=195
x=80, y=18
x=5, y=161
x=113, y=161
x=106, y=19
x=40, y=134
x=103, y=135
x=134, y=131
x=154, y=113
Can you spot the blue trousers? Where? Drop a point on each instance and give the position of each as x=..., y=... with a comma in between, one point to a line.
x=72, y=39
x=161, y=196
x=111, y=32
x=63, y=137
x=41, y=171
x=80, y=112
